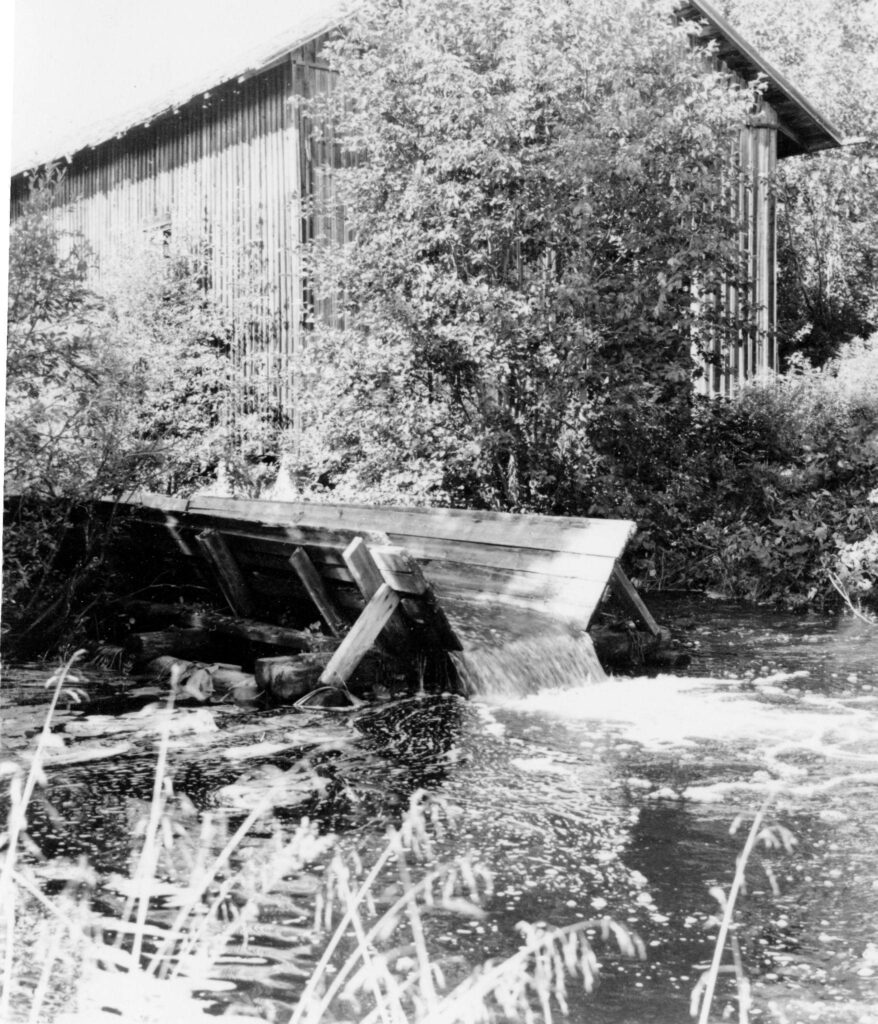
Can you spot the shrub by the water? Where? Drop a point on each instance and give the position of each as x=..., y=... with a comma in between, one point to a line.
x=776, y=490
x=115, y=384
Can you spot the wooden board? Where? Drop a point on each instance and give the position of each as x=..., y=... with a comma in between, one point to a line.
x=312, y=581
x=376, y=615
x=575, y=535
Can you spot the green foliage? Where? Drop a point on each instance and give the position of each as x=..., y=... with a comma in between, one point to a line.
x=530, y=192
x=530, y=195
x=105, y=395
x=776, y=490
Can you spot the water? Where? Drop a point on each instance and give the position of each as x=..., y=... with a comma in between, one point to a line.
x=611, y=797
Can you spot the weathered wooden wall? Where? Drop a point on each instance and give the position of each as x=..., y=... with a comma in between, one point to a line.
x=493, y=572
x=235, y=175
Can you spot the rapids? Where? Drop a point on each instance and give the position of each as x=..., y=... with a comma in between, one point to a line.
x=580, y=797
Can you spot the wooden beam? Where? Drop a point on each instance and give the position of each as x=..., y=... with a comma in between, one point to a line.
x=231, y=580
x=311, y=581
x=624, y=590
x=435, y=618
x=368, y=577
x=548, y=533
x=261, y=632
x=363, y=634
x=363, y=568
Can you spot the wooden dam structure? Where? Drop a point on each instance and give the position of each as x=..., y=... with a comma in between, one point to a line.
x=332, y=584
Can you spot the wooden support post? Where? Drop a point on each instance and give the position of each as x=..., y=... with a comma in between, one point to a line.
x=624, y=590
x=368, y=578
x=231, y=580
x=311, y=581
x=364, y=632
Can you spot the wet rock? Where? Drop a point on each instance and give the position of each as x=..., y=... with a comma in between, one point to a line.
x=231, y=681
x=638, y=783
x=202, y=681
x=665, y=793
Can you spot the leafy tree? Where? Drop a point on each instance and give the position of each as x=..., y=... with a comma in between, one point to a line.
x=104, y=396
x=532, y=192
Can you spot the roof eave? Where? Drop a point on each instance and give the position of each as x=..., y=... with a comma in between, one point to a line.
x=780, y=92
x=187, y=94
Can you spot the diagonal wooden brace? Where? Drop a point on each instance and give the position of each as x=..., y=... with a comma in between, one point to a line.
x=364, y=632
x=231, y=580
x=625, y=591
x=369, y=579
x=316, y=588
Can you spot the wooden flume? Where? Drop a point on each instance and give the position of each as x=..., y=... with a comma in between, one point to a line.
x=397, y=587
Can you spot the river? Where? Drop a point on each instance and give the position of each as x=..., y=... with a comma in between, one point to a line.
x=580, y=799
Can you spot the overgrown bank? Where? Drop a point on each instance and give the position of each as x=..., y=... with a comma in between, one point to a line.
x=535, y=190
x=768, y=497
x=774, y=493
x=762, y=498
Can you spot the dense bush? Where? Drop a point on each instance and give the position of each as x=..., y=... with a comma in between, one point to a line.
x=776, y=489
x=527, y=208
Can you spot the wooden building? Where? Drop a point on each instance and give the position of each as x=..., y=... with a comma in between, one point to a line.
x=785, y=125
x=234, y=169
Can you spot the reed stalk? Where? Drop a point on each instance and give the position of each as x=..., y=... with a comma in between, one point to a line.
x=706, y=987
x=20, y=801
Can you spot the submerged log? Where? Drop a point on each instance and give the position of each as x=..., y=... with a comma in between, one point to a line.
x=178, y=643
x=262, y=632
x=145, y=615
x=628, y=649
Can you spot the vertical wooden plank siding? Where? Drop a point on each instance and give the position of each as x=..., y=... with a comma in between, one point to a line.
x=750, y=304
x=229, y=175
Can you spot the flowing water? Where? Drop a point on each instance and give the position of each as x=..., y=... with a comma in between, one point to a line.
x=581, y=798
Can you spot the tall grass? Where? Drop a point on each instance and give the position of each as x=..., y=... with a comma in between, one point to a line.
x=378, y=959
x=206, y=920
x=771, y=836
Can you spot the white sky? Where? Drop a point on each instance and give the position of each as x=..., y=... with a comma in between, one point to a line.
x=77, y=62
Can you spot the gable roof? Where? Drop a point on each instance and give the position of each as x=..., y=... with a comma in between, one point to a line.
x=803, y=129
x=304, y=28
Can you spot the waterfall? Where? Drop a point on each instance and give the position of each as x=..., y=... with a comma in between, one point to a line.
x=529, y=664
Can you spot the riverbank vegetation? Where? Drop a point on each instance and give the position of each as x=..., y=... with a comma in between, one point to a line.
x=110, y=388
x=533, y=191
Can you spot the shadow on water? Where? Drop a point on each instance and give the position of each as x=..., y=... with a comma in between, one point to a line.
x=582, y=796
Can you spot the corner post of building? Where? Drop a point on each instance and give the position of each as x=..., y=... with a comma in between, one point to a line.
x=760, y=147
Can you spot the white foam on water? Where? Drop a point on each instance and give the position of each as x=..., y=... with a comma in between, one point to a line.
x=675, y=711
